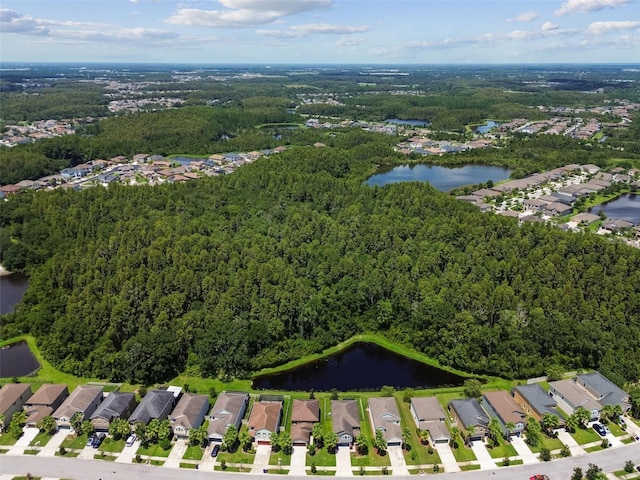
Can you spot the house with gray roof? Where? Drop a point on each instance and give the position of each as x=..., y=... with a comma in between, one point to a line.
x=189, y=413
x=156, y=404
x=84, y=400
x=13, y=396
x=386, y=417
x=604, y=390
x=228, y=410
x=116, y=405
x=469, y=415
x=570, y=395
x=429, y=415
x=535, y=401
x=345, y=421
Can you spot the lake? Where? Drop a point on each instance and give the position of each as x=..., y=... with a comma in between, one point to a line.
x=442, y=178
x=362, y=366
x=12, y=288
x=625, y=207
x=409, y=123
x=16, y=360
x=486, y=127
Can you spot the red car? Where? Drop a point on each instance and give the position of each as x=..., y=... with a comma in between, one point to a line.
x=539, y=477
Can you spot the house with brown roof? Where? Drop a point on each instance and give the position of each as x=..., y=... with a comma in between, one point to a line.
x=84, y=399
x=345, y=421
x=264, y=420
x=429, y=415
x=570, y=395
x=42, y=403
x=228, y=410
x=386, y=418
x=304, y=413
x=13, y=396
x=116, y=405
x=502, y=406
x=189, y=413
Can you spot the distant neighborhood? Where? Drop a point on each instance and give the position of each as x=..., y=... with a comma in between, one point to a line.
x=574, y=416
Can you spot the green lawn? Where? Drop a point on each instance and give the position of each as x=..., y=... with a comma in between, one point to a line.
x=322, y=458
x=31, y=451
x=616, y=429
x=68, y=454
x=550, y=443
x=595, y=448
x=466, y=468
x=323, y=473
x=511, y=462
x=40, y=440
x=7, y=439
x=237, y=457
x=281, y=457
x=371, y=458
x=188, y=465
x=112, y=446
x=416, y=453
x=502, y=450
x=75, y=441
x=102, y=456
x=586, y=435
x=194, y=452
x=154, y=450
x=462, y=453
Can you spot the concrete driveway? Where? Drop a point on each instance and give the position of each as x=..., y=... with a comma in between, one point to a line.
x=446, y=457
x=128, y=453
x=28, y=434
x=261, y=461
x=398, y=464
x=566, y=438
x=482, y=454
x=298, y=461
x=50, y=449
x=343, y=462
x=176, y=454
x=524, y=452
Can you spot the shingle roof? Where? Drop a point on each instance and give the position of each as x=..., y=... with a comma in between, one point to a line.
x=607, y=392
x=470, y=412
x=152, y=406
x=575, y=395
x=427, y=409
x=301, y=431
x=10, y=393
x=345, y=416
x=188, y=410
x=386, y=417
x=305, y=411
x=225, y=411
x=114, y=406
x=538, y=399
x=47, y=394
x=78, y=401
x=505, y=407
x=264, y=415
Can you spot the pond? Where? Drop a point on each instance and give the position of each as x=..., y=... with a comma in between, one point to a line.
x=625, y=207
x=16, y=360
x=486, y=127
x=12, y=288
x=362, y=366
x=442, y=178
x=409, y=123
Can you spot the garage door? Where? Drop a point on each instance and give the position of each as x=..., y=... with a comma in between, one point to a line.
x=264, y=442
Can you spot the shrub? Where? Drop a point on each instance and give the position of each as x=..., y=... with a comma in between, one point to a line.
x=62, y=451
x=629, y=466
x=545, y=454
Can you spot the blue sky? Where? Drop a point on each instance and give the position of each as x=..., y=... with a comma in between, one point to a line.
x=321, y=31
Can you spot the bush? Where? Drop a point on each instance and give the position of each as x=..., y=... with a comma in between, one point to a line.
x=62, y=451
x=138, y=458
x=629, y=466
x=545, y=454
x=385, y=471
x=565, y=452
x=223, y=465
x=313, y=467
x=506, y=462
x=165, y=444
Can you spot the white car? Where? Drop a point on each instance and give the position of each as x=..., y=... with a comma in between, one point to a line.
x=131, y=439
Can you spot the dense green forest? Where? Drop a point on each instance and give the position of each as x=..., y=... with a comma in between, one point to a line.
x=291, y=254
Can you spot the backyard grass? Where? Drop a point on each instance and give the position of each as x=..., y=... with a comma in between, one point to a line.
x=322, y=458
x=586, y=435
x=154, y=450
x=112, y=446
x=40, y=440
x=74, y=441
x=279, y=458
x=193, y=452
x=502, y=450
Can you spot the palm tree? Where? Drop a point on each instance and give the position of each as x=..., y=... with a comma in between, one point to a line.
x=510, y=427
x=572, y=423
x=607, y=413
x=495, y=430
x=549, y=422
x=362, y=445
x=582, y=415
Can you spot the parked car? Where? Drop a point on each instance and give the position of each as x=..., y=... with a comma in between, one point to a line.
x=600, y=429
x=539, y=477
x=215, y=450
x=90, y=439
x=622, y=423
x=131, y=439
x=97, y=441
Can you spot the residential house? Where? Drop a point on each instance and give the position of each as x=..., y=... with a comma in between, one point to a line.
x=386, y=417
x=13, y=396
x=189, y=413
x=570, y=395
x=502, y=405
x=604, y=390
x=429, y=415
x=84, y=400
x=469, y=415
x=585, y=218
x=304, y=413
x=345, y=421
x=228, y=410
x=614, y=225
x=155, y=404
x=116, y=405
x=264, y=420
x=42, y=403
x=535, y=402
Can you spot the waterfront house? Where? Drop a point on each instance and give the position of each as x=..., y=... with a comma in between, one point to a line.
x=386, y=417
x=469, y=416
x=13, y=396
x=155, y=404
x=42, y=403
x=502, y=405
x=570, y=395
x=264, y=420
x=535, y=402
x=116, y=405
x=429, y=415
x=345, y=420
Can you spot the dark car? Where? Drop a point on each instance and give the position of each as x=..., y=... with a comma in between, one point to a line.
x=215, y=450
x=97, y=441
x=600, y=429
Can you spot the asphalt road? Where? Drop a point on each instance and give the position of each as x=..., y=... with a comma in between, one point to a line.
x=76, y=469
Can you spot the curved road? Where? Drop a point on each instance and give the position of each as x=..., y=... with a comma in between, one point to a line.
x=73, y=468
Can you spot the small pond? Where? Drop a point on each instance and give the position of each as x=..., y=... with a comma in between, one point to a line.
x=486, y=127
x=409, y=123
x=362, y=366
x=442, y=178
x=625, y=207
x=16, y=360
x=12, y=288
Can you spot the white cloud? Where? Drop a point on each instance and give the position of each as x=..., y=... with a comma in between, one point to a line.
x=525, y=17
x=14, y=22
x=299, y=31
x=548, y=26
x=573, y=6
x=600, y=28
x=245, y=13
x=348, y=42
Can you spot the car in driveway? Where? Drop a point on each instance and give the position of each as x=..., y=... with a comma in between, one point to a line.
x=622, y=423
x=215, y=450
x=131, y=439
x=600, y=429
x=98, y=439
x=90, y=439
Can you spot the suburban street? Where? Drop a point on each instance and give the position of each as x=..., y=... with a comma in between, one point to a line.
x=77, y=469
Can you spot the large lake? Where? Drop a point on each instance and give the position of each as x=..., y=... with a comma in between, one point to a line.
x=408, y=123
x=16, y=360
x=442, y=178
x=12, y=288
x=625, y=207
x=362, y=366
